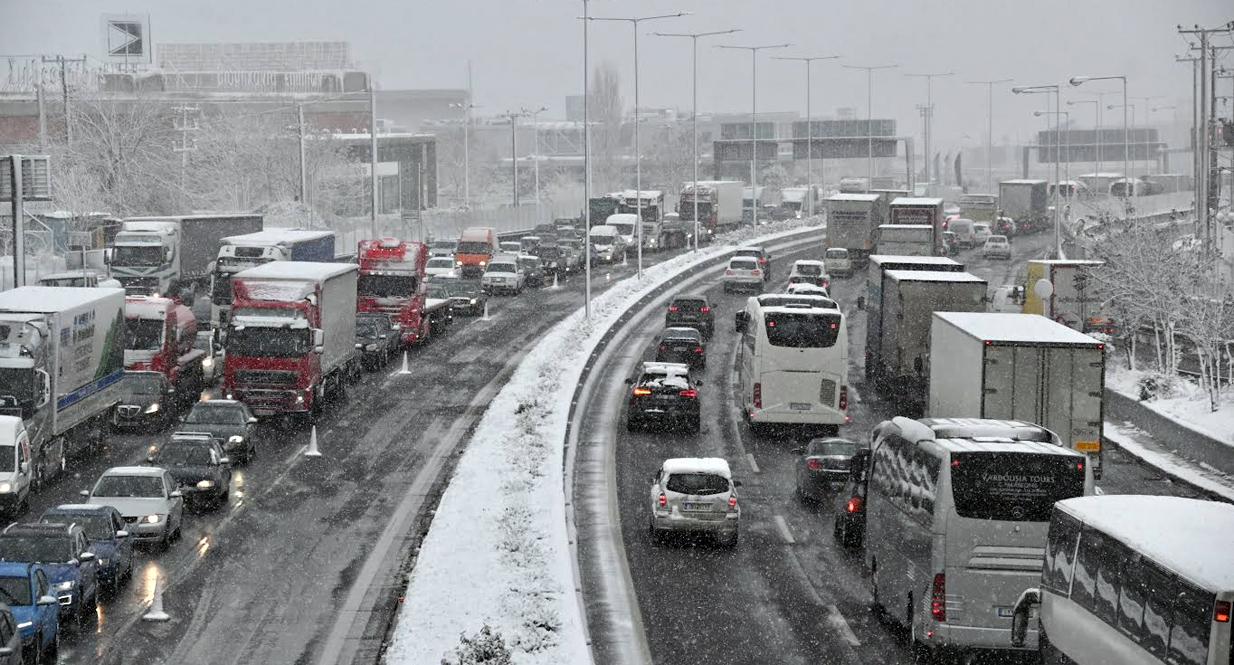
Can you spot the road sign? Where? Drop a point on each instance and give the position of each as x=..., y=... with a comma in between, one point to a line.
x=126, y=38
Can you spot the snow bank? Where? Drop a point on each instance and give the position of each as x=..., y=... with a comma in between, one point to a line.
x=1212, y=481
x=497, y=552
x=1187, y=405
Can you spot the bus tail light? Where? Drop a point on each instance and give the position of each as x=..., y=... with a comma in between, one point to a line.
x=1221, y=613
x=844, y=398
x=758, y=395
x=938, y=598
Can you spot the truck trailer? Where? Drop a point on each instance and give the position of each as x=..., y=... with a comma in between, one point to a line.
x=1075, y=300
x=241, y=252
x=173, y=256
x=1027, y=202
x=1019, y=367
x=880, y=264
x=918, y=212
x=852, y=224
x=719, y=206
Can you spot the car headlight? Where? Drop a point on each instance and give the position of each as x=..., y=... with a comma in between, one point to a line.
x=24, y=625
x=152, y=519
x=370, y=347
x=205, y=484
x=153, y=408
x=208, y=361
x=458, y=264
x=5, y=488
x=64, y=586
x=474, y=301
x=104, y=562
x=236, y=438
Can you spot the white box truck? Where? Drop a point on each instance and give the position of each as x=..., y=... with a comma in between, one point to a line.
x=852, y=224
x=1019, y=367
x=872, y=301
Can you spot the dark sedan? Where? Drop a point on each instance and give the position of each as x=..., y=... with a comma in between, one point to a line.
x=375, y=339
x=553, y=259
x=682, y=345
x=663, y=393
x=823, y=466
x=228, y=421
x=465, y=296
x=692, y=312
x=146, y=401
x=198, y=465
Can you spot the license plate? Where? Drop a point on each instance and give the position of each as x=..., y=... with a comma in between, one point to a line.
x=800, y=406
x=1088, y=446
x=1005, y=612
x=698, y=507
x=681, y=348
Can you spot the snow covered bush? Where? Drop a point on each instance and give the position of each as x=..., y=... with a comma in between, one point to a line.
x=484, y=648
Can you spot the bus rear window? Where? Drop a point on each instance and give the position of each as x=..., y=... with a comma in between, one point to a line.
x=1016, y=487
x=803, y=331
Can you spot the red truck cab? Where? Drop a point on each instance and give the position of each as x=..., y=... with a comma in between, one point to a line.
x=392, y=283
x=159, y=337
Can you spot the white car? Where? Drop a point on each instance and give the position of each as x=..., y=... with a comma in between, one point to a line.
x=503, y=275
x=695, y=494
x=510, y=246
x=996, y=247
x=981, y=231
x=808, y=271
x=439, y=265
x=607, y=243
x=838, y=261
x=806, y=289
x=147, y=498
x=743, y=273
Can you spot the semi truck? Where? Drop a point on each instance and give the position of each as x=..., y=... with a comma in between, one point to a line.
x=241, y=252
x=1027, y=202
x=173, y=256
x=799, y=200
x=651, y=204
x=1019, y=367
x=160, y=336
x=906, y=239
x=291, y=337
x=909, y=299
x=916, y=212
x=61, y=364
x=392, y=283
x=852, y=224
x=979, y=207
x=1075, y=299
x=719, y=206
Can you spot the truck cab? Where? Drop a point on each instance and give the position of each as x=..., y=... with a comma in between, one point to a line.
x=160, y=336
x=145, y=256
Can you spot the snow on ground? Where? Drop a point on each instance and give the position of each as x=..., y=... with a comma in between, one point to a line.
x=497, y=552
x=1212, y=481
x=1186, y=404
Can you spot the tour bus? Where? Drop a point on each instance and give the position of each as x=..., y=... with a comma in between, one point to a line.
x=793, y=364
x=956, y=516
x=1134, y=580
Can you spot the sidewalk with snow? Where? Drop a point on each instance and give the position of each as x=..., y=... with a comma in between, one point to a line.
x=497, y=553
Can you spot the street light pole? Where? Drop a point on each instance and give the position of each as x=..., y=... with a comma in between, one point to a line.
x=1080, y=80
x=1096, y=127
x=535, y=128
x=754, y=120
x=638, y=155
x=1048, y=89
x=989, y=130
x=870, y=118
x=1127, y=176
x=929, y=111
x=466, y=108
x=694, y=119
x=809, y=128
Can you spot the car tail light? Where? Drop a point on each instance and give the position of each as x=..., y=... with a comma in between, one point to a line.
x=663, y=500
x=663, y=347
x=758, y=395
x=756, y=272
x=689, y=392
x=704, y=309
x=817, y=465
x=698, y=349
x=762, y=260
x=826, y=284
x=844, y=398
x=672, y=308
x=1221, y=613
x=938, y=598
x=732, y=503
x=642, y=391
x=728, y=271
x=853, y=505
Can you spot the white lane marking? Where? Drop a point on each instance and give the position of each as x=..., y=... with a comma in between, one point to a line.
x=753, y=464
x=837, y=620
x=784, y=531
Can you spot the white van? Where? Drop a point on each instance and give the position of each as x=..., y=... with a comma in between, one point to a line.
x=608, y=243
x=626, y=225
x=965, y=232
x=15, y=449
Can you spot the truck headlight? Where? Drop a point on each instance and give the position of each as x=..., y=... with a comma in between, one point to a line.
x=458, y=264
x=64, y=586
x=152, y=519
x=153, y=408
x=5, y=488
x=235, y=438
x=205, y=484
x=207, y=362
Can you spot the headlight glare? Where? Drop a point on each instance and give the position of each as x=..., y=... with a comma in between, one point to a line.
x=153, y=408
x=152, y=519
x=205, y=484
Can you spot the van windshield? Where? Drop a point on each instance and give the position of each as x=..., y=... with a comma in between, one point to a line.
x=474, y=248
x=8, y=458
x=1010, y=486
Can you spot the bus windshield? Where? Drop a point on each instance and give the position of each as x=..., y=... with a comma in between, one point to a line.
x=1011, y=486
x=802, y=331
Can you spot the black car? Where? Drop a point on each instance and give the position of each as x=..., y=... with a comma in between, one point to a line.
x=465, y=296
x=691, y=312
x=850, y=503
x=147, y=400
x=822, y=466
x=375, y=338
x=682, y=345
x=759, y=254
x=664, y=393
x=227, y=420
x=533, y=268
x=553, y=260
x=198, y=465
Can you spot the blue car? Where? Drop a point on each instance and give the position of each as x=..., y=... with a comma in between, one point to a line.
x=65, y=554
x=108, y=538
x=26, y=589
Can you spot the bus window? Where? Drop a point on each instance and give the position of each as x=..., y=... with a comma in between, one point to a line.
x=803, y=331
x=1193, y=611
x=1008, y=486
x=1060, y=553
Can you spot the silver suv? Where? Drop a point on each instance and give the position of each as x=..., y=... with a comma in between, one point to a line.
x=695, y=494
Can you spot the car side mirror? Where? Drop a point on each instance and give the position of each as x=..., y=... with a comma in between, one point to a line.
x=736, y=483
x=122, y=534
x=176, y=494
x=629, y=382
x=1020, y=616
x=224, y=460
x=358, y=346
x=252, y=421
x=25, y=467
x=798, y=451
x=861, y=303
x=86, y=557
x=47, y=600
x=85, y=493
x=319, y=350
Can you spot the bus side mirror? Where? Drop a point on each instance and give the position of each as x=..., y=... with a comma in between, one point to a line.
x=1020, y=616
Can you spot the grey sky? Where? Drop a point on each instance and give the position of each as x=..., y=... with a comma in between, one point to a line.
x=528, y=52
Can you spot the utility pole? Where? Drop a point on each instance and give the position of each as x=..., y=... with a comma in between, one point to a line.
x=1207, y=163
x=513, y=116
x=870, y=117
x=809, y=129
x=754, y=121
x=372, y=109
x=64, y=62
x=303, y=167
x=989, y=131
x=928, y=113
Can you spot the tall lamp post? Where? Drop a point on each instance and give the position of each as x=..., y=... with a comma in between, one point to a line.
x=809, y=128
x=535, y=128
x=1127, y=142
x=694, y=112
x=929, y=115
x=989, y=129
x=870, y=117
x=1050, y=89
x=754, y=119
x=1061, y=119
x=1080, y=80
x=1096, y=126
x=638, y=154
x=1169, y=107
x=466, y=109
x=514, y=116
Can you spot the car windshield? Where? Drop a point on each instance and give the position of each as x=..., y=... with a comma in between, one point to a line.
x=143, y=383
x=368, y=327
x=182, y=454
x=696, y=484
x=802, y=331
x=529, y=264
x=809, y=269
x=36, y=549
x=443, y=244
x=15, y=591
x=749, y=252
x=832, y=448
x=219, y=414
x=439, y=291
x=501, y=267
x=143, y=334
x=441, y=263
x=97, y=526
x=134, y=487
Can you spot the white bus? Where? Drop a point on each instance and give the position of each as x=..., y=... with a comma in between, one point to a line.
x=957, y=511
x=1135, y=580
x=793, y=365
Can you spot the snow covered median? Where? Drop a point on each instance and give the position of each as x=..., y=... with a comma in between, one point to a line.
x=1185, y=403
x=497, y=552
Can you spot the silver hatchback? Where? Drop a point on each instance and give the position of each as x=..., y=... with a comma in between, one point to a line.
x=695, y=494
x=743, y=272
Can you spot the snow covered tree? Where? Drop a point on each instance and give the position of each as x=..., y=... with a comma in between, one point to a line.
x=607, y=136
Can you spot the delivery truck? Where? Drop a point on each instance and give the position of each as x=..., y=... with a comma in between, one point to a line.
x=250, y=250
x=173, y=256
x=1019, y=367
x=902, y=347
x=880, y=264
x=918, y=212
x=1026, y=202
x=852, y=224
x=1075, y=298
x=61, y=364
x=719, y=206
x=291, y=338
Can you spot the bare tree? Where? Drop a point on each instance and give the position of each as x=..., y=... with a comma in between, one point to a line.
x=606, y=134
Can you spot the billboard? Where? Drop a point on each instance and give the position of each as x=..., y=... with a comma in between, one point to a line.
x=1098, y=145
x=126, y=39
